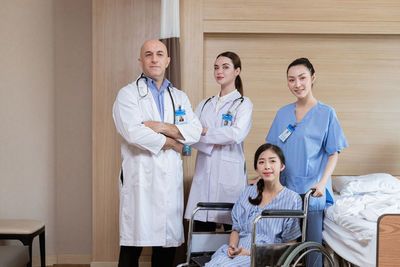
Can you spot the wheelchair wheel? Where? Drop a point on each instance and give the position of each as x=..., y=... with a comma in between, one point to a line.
x=300, y=251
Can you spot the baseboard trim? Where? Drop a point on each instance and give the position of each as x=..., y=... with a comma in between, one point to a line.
x=103, y=264
x=115, y=264
x=63, y=259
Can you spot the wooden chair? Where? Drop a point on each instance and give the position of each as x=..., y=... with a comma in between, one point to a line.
x=25, y=231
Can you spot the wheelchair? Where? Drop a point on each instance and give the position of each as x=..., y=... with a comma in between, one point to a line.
x=201, y=245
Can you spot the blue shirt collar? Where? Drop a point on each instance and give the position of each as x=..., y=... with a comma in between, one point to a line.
x=153, y=86
x=158, y=95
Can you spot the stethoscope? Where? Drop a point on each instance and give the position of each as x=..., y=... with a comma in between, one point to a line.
x=230, y=111
x=142, y=76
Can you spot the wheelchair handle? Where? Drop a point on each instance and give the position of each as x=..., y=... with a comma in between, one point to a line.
x=221, y=205
x=311, y=190
x=283, y=213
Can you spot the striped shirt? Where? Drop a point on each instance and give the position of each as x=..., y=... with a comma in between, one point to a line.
x=269, y=230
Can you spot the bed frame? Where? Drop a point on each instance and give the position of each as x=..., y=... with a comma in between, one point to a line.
x=388, y=241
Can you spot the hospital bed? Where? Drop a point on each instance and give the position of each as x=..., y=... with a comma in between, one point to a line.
x=362, y=228
x=201, y=245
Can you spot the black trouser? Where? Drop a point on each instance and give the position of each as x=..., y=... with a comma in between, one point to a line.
x=161, y=257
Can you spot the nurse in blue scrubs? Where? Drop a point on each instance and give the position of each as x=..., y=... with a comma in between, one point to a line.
x=309, y=133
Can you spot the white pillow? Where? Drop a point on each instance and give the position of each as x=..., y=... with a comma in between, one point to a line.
x=376, y=182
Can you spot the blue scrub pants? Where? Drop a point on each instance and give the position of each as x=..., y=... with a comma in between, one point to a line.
x=314, y=233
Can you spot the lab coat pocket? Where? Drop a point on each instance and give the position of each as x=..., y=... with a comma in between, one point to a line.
x=231, y=171
x=139, y=175
x=144, y=176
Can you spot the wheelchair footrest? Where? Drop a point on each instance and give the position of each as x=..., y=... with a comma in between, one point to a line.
x=201, y=260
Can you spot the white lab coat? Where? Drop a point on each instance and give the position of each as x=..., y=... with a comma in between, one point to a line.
x=220, y=172
x=151, y=195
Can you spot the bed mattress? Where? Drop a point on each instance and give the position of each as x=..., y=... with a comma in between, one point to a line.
x=348, y=245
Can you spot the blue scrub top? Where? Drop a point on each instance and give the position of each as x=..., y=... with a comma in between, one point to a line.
x=317, y=136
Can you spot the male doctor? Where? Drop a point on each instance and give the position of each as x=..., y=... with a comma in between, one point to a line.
x=155, y=120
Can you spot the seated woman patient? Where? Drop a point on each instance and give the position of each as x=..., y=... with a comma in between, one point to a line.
x=269, y=161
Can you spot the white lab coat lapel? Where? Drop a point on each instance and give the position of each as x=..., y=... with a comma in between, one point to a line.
x=224, y=108
x=168, y=112
x=148, y=104
x=208, y=119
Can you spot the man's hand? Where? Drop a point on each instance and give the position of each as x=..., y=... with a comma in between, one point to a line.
x=167, y=129
x=173, y=144
x=156, y=126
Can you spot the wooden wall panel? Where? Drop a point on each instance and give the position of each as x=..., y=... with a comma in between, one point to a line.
x=192, y=70
x=119, y=29
x=355, y=74
x=304, y=10
x=301, y=27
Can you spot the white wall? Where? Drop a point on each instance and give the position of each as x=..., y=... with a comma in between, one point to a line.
x=45, y=103
x=27, y=113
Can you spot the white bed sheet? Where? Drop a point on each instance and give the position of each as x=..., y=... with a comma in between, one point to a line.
x=350, y=225
x=348, y=246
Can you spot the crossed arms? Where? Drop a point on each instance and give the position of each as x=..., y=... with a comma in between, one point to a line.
x=171, y=133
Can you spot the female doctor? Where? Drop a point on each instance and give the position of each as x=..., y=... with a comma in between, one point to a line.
x=220, y=172
x=311, y=138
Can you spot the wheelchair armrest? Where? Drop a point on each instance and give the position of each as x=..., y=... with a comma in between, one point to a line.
x=282, y=213
x=222, y=205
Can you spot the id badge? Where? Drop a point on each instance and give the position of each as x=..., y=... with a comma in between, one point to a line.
x=286, y=133
x=180, y=116
x=227, y=119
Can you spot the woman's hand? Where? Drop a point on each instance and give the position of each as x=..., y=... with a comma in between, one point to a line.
x=205, y=129
x=319, y=189
x=244, y=252
x=234, y=251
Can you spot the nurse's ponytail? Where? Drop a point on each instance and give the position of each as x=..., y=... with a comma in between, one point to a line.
x=236, y=64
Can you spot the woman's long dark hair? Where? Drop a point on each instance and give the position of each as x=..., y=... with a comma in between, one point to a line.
x=236, y=64
x=260, y=184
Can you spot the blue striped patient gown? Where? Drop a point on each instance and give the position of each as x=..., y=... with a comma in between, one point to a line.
x=269, y=230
